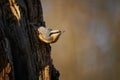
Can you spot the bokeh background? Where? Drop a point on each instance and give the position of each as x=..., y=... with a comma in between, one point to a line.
x=90, y=47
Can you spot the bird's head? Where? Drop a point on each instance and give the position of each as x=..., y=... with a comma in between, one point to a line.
x=48, y=35
x=55, y=34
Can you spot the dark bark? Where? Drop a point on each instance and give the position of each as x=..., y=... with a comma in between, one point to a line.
x=22, y=55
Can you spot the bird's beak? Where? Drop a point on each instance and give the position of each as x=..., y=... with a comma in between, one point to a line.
x=62, y=31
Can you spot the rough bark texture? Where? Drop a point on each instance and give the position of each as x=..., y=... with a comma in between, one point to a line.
x=22, y=55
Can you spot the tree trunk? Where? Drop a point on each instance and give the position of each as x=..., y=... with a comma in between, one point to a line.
x=22, y=55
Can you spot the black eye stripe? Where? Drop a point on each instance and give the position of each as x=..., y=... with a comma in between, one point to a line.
x=54, y=33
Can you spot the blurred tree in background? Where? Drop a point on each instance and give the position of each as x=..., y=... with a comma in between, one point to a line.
x=90, y=47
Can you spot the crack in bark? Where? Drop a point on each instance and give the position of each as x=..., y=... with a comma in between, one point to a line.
x=15, y=9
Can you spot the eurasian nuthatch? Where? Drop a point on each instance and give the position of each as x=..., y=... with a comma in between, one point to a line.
x=48, y=35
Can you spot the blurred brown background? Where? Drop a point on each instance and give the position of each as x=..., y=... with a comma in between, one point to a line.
x=90, y=47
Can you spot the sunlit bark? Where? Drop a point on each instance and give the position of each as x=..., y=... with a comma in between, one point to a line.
x=22, y=55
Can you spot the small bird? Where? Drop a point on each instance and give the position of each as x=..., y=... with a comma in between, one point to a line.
x=48, y=35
